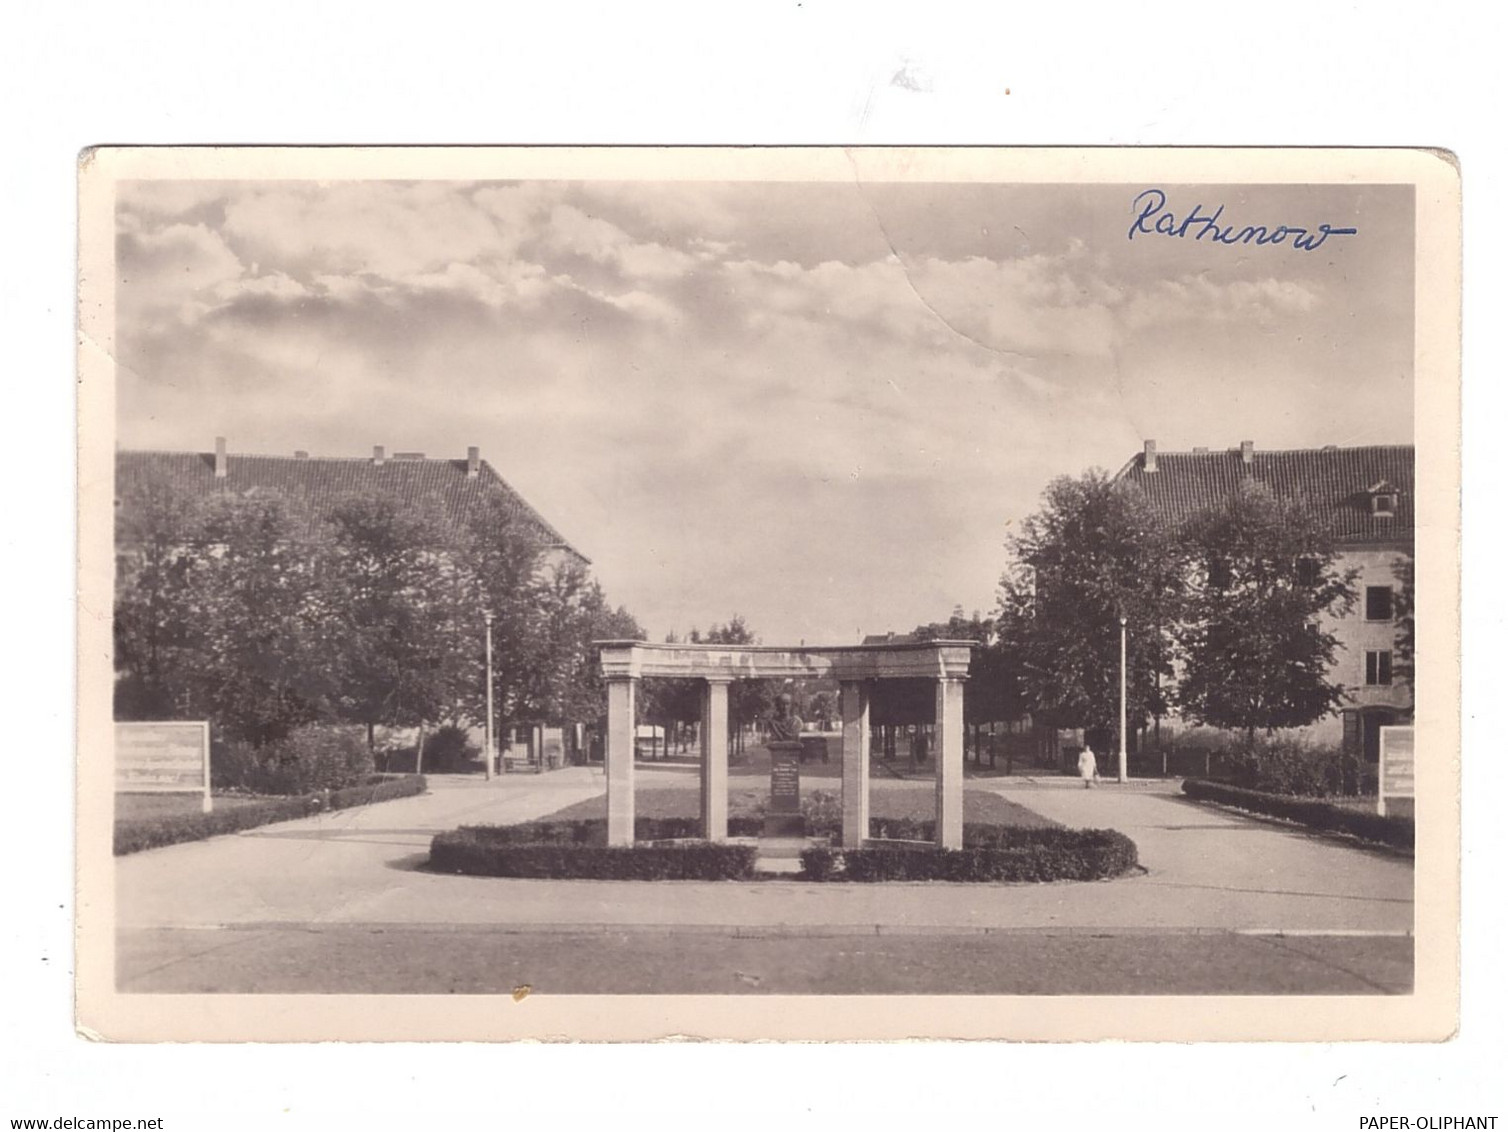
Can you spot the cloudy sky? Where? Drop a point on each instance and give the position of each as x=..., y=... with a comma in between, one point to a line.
x=822, y=406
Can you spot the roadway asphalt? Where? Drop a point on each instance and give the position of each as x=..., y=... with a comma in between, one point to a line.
x=341, y=904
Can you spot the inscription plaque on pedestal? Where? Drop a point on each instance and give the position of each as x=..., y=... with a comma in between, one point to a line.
x=783, y=817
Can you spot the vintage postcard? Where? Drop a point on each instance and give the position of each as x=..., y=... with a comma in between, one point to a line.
x=810, y=594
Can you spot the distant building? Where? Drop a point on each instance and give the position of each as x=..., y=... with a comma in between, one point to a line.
x=459, y=488
x=1366, y=498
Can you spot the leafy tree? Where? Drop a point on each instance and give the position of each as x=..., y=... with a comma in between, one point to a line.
x=497, y=562
x=1093, y=552
x=388, y=613
x=156, y=625
x=1255, y=652
x=259, y=669
x=1403, y=613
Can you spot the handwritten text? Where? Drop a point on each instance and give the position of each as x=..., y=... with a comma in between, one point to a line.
x=1155, y=218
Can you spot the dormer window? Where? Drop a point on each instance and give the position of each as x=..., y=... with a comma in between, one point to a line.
x=1384, y=500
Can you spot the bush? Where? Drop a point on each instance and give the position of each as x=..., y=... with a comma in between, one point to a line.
x=1289, y=766
x=310, y=759
x=1393, y=830
x=468, y=851
x=150, y=833
x=990, y=853
x=449, y=750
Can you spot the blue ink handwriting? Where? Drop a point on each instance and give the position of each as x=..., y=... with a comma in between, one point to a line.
x=1154, y=218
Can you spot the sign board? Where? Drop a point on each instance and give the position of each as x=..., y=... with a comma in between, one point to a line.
x=163, y=758
x=1395, y=772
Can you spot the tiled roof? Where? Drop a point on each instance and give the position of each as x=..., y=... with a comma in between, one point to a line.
x=319, y=482
x=1336, y=483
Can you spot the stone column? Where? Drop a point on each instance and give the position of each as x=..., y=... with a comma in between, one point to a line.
x=714, y=731
x=619, y=757
x=855, y=710
x=949, y=763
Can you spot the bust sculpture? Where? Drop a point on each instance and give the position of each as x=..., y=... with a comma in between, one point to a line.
x=783, y=724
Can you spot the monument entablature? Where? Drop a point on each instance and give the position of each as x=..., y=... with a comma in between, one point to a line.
x=854, y=667
x=928, y=660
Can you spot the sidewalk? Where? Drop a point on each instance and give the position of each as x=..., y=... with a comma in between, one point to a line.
x=1207, y=871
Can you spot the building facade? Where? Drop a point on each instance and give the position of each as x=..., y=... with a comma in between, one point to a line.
x=1365, y=497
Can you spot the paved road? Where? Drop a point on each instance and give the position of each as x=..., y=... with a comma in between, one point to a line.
x=337, y=902
x=404, y=959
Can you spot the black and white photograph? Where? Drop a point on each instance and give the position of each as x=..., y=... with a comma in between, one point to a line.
x=829, y=593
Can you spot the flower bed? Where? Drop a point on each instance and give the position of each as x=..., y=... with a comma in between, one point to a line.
x=134, y=835
x=1391, y=830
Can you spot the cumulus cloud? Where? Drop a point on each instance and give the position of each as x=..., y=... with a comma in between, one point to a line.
x=873, y=361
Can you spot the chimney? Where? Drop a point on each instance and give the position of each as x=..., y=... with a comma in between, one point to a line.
x=1149, y=456
x=300, y=454
x=221, y=462
x=473, y=462
x=1246, y=451
x=379, y=455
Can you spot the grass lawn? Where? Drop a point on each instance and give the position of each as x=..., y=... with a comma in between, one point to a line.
x=898, y=800
x=135, y=807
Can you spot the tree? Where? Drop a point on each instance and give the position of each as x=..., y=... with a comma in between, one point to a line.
x=1254, y=649
x=155, y=626
x=1403, y=613
x=389, y=616
x=1093, y=552
x=497, y=569
x=260, y=670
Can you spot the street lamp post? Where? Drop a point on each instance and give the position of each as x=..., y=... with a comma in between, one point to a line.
x=1122, y=768
x=490, y=751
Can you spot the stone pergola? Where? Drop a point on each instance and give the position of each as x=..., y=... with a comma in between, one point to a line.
x=855, y=667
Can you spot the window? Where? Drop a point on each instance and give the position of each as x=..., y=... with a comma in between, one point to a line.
x=1379, y=669
x=1308, y=571
x=1379, y=603
x=1384, y=504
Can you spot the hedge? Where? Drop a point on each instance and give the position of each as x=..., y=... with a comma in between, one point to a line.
x=308, y=760
x=473, y=852
x=151, y=833
x=593, y=831
x=990, y=854
x=1391, y=830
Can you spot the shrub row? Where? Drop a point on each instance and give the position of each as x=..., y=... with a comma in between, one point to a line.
x=990, y=853
x=471, y=851
x=1391, y=830
x=310, y=759
x=593, y=831
x=150, y=833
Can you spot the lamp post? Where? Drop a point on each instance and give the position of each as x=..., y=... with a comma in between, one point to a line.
x=1122, y=776
x=490, y=751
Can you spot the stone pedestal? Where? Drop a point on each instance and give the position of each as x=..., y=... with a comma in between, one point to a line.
x=783, y=817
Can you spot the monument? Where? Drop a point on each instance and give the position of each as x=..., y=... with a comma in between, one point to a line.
x=783, y=728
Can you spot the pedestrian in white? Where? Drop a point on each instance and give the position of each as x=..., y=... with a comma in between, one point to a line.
x=1089, y=770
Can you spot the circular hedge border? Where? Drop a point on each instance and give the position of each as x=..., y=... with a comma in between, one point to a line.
x=578, y=850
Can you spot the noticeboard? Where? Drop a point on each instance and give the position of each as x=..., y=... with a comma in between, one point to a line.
x=163, y=758
x=1395, y=771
